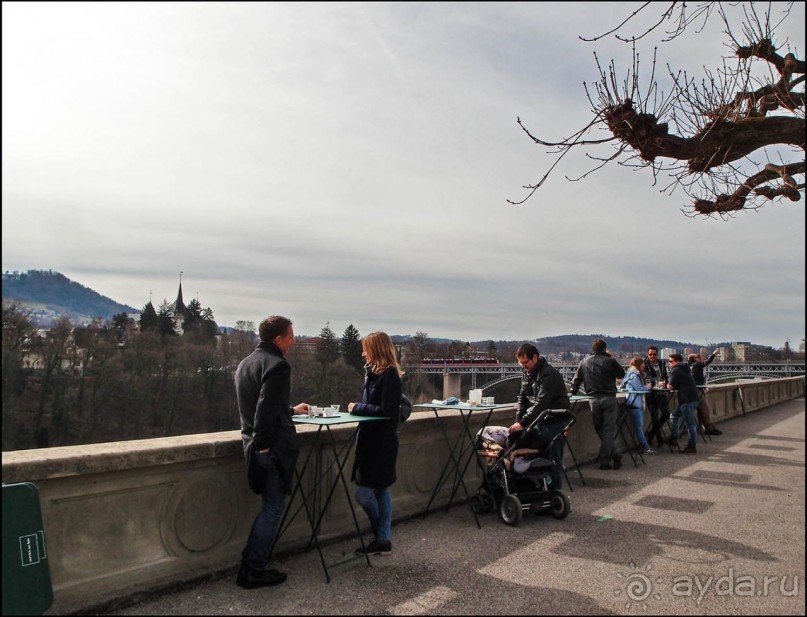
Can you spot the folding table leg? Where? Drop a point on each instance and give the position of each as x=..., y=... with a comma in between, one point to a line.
x=574, y=458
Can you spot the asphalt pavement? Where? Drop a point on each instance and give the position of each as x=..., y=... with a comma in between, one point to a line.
x=718, y=532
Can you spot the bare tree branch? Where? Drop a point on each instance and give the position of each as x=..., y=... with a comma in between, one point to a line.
x=702, y=133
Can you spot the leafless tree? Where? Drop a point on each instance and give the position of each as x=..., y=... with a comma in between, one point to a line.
x=732, y=140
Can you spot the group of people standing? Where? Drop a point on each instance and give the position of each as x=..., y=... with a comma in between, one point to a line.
x=263, y=390
x=651, y=378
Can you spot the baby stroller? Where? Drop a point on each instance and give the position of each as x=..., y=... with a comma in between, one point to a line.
x=517, y=479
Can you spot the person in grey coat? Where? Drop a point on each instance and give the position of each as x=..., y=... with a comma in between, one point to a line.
x=599, y=372
x=263, y=387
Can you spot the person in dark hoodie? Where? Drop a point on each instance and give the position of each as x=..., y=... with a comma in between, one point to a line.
x=599, y=372
x=262, y=387
x=683, y=383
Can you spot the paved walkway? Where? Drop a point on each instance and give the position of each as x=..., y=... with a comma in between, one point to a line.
x=720, y=532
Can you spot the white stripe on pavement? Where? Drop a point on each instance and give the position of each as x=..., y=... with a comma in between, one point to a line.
x=425, y=603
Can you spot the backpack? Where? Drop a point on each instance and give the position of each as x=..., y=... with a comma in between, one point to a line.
x=404, y=409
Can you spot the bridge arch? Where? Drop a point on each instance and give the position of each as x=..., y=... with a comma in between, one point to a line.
x=498, y=381
x=723, y=378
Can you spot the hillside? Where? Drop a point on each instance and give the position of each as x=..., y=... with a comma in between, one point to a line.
x=51, y=295
x=579, y=343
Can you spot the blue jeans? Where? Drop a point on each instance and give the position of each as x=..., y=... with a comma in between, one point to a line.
x=638, y=426
x=603, y=414
x=258, y=550
x=689, y=410
x=377, y=503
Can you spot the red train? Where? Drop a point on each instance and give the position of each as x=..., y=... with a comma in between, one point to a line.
x=475, y=361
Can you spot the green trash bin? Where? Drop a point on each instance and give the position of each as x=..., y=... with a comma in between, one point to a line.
x=26, y=576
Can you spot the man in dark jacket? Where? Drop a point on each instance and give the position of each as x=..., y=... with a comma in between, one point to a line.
x=263, y=386
x=599, y=372
x=683, y=383
x=542, y=387
x=697, y=366
x=655, y=375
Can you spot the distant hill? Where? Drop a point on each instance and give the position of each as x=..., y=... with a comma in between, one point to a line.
x=51, y=295
x=579, y=343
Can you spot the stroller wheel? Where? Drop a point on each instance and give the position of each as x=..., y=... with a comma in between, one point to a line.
x=487, y=503
x=510, y=510
x=477, y=504
x=559, y=504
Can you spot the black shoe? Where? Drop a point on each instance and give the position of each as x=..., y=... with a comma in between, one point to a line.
x=713, y=431
x=689, y=450
x=376, y=547
x=249, y=578
x=605, y=466
x=617, y=461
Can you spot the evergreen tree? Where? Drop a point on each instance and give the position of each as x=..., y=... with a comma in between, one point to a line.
x=328, y=346
x=120, y=321
x=165, y=319
x=209, y=326
x=351, y=347
x=193, y=316
x=148, y=317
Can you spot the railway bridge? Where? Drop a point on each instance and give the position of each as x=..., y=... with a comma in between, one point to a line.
x=487, y=374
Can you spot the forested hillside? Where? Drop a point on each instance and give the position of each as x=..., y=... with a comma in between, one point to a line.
x=50, y=294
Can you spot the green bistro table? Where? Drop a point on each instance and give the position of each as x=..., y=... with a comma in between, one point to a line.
x=312, y=500
x=461, y=451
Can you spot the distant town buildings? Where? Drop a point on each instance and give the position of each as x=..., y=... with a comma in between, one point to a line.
x=741, y=351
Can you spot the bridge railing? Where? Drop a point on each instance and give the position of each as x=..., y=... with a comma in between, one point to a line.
x=718, y=372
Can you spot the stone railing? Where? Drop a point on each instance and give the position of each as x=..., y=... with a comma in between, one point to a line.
x=128, y=518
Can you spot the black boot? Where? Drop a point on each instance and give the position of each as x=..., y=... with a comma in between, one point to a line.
x=252, y=579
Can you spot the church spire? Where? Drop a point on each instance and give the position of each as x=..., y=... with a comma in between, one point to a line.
x=179, y=305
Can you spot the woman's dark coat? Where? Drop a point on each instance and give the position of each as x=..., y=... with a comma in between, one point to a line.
x=377, y=440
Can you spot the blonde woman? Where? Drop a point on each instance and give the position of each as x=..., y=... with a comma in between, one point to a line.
x=633, y=382
x=377, y=442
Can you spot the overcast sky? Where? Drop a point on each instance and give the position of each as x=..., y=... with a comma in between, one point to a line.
x=350, y=163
